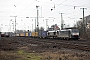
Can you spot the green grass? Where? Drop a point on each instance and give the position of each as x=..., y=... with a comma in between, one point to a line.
x=24, y=55
x=29, y=56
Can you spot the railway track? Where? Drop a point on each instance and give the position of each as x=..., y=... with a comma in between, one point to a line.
x=72, y=44
x=49, y=43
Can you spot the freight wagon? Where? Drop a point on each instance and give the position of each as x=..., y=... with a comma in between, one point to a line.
x=22, y=34
x=42, y=34
x=34, y=34
x=17, y=34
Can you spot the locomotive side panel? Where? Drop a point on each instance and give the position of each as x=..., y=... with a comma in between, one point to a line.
x=52, y=34
x=63, y=34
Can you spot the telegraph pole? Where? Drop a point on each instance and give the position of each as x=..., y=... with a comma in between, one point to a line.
x=84, y=29
x=15, y=23
x=61, y=20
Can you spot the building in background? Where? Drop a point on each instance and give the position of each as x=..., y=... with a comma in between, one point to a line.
x=87, y=21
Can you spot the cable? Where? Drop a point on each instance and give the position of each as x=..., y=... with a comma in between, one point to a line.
x=62, y=2
x=54, y=4
x=19, y=2
x=27, y=7
x=70, y=8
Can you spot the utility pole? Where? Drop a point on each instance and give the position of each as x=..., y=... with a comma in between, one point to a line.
x=15, y=23
x=32, y=24
x=84, y=29
x=46, y=23
x=37, y=17
x=61, y=20
x=35, y=25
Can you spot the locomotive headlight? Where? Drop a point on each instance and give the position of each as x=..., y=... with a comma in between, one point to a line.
x=75, y=33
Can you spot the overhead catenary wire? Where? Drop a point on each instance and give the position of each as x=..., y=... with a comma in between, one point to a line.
x=69, y=10
x=27, y=7
x=57, y=5
x=67, y=6
x=49, y=11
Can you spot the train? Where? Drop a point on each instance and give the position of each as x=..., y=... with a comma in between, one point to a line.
x=54, y=34
x=5, y=34
x=64, y=34
x=74, y=33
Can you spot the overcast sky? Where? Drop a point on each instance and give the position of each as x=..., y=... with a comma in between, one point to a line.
x=27, y=8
